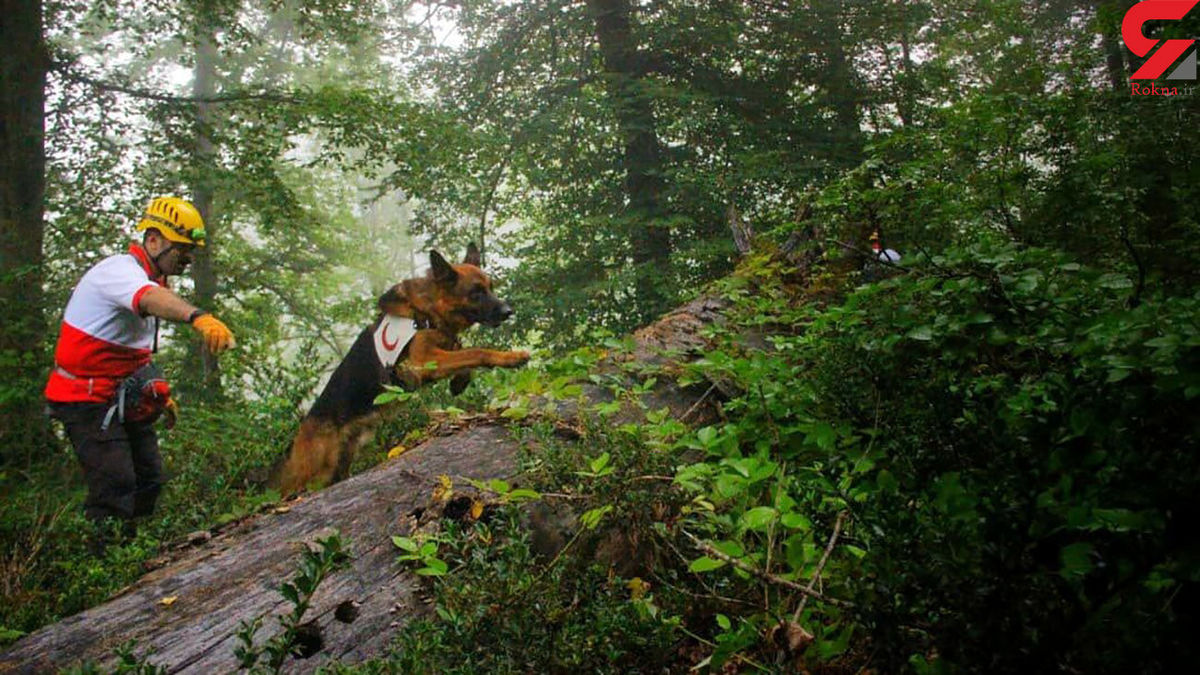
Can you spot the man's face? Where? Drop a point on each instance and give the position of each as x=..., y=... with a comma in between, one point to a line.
x=178, y=258
x=174, y=258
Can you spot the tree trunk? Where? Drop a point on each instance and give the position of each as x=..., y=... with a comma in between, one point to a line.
x=841, y=90
x=1114, y=61
x=205, y=273
x=1111, y=13
x=642, y=153
x=23, y=66
x=906, y=99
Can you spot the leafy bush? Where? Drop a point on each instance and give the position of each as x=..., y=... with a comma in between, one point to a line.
x=506, y=610
x=1011, y=440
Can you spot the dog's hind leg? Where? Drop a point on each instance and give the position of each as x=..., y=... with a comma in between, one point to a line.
x=354, y=437
x=313, y=458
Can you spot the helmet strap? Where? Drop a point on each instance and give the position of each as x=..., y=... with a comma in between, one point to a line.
x=167, y=249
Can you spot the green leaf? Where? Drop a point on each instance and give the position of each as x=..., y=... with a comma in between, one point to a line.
x=705, y=564
x=515, y=413
x=591, y=519
x=730, y=548
x=1076, y=560
x=433, y=568
x=823, y=435
x=886, y=482
x=1118, y=520
x=600, y=462
x=290, y=593
x=1114, y=280
x=706, y=436
x=1118, y=374
x=854, y=551
x=922, y=333
x=406, y=544
x=385, y=397
x=796, y=521
x=759, y=518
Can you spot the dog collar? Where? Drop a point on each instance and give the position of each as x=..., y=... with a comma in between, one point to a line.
x=392, y=335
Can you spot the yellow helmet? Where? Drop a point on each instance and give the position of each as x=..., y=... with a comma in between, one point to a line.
x=176, y=219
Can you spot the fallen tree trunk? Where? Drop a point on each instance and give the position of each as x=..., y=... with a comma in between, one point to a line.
x=186, y=615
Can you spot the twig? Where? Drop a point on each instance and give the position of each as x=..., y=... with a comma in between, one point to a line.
x=670, y=542
x=696, y=405
x=703, y=596
x=837, y=530
x=741, y=657
x=765, y=576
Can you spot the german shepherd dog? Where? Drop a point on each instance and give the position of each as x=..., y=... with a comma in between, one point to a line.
x=413, y=340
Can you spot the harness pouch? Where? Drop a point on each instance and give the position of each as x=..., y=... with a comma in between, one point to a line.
x=141, y=397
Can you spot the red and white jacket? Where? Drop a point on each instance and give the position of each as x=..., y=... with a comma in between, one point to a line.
x=105, y=336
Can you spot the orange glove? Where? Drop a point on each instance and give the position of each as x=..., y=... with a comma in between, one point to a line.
x=170, y=413
x=217, y=336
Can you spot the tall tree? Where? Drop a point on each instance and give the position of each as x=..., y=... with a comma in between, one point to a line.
x=23, y=66
x=203, y=168
x=625, y=74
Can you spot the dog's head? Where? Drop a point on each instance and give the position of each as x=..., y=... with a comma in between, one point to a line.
x=466, y=292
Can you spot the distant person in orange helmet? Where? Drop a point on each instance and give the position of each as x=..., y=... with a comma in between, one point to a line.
x=104, y=387
x=884, y=262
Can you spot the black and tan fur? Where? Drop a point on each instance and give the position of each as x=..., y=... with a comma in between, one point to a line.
x=446, y=301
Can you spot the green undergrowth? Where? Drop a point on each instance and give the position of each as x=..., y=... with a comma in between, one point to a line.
x=999, y=438
x=985, y=462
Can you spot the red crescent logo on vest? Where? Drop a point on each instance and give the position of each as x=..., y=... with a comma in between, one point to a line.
x=384, y=338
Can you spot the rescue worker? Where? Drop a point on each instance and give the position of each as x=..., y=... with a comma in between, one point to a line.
x=104, y=388
x=883, y=263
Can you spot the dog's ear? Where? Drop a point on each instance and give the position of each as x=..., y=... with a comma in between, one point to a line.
x=473, y=257
x=459, y=382
x=442, y=271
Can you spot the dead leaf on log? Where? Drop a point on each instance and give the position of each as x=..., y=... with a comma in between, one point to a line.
x=795, y=639
x=444, y=489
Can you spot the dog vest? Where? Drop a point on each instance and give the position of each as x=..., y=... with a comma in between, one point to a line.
x=391, y=337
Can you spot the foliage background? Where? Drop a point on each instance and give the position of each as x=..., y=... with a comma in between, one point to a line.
x=1005, y=421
